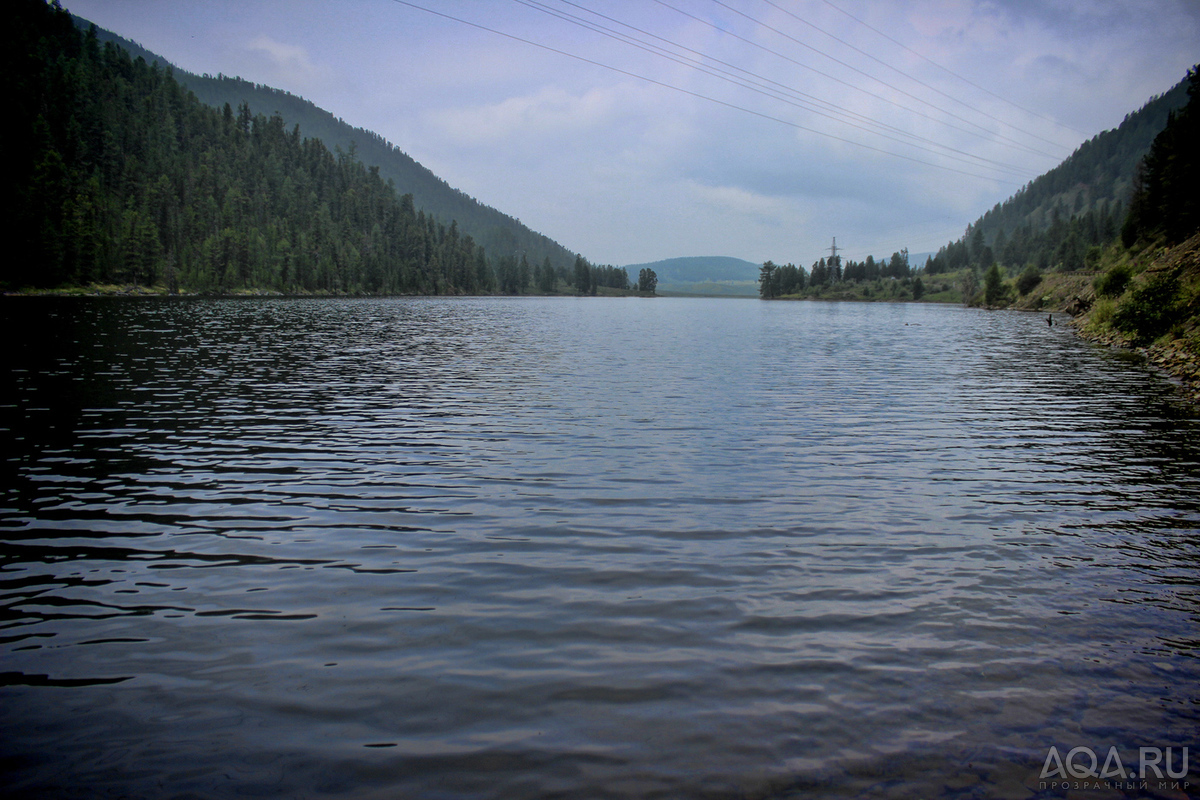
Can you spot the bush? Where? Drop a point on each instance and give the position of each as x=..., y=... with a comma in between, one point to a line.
x=1113, y=282
x=1151, y=309
x=1099, y=321
x=1028, y=280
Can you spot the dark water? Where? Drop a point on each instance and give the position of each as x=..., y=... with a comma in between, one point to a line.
x=584, y=548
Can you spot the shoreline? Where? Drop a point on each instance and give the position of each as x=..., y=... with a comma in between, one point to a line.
x=1072, y=295
x=1172, y=358
x=134, y=291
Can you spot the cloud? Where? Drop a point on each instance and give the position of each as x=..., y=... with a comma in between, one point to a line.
x=291, y=63
x=739, y=202
x=549, y=113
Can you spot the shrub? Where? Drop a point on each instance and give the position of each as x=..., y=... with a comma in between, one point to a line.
x=1113, y=282
x=1102, y=315
x=1028, y=280
x=1151, y=309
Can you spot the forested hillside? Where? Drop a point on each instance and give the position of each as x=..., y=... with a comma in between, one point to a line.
x=498, y=233
x=1056, y=219
x=1151, y=288
x=119, y=174
x=1143, y=289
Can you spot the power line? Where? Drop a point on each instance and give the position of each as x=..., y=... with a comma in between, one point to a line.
x=825, y=108
x=905, y=74
x=869, y=75
x=881, y=98
x=951, y=72
x=762, y=88
x=697, y=95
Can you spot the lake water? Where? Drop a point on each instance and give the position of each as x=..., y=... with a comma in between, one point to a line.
x=585, y=548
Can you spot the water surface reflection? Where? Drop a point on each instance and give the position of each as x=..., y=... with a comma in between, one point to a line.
x=552, y=547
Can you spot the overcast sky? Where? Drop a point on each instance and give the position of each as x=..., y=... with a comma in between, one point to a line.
x=772, y=127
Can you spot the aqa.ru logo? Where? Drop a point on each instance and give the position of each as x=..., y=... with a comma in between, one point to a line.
x=1081, y=763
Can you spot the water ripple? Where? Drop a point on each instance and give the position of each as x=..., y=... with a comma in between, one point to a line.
x=567, y=547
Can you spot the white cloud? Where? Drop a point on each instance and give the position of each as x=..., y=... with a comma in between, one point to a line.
x=291, y=63
x=738, y=202
x=547, y=114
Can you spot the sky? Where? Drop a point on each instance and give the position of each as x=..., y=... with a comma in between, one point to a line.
x=636, y=130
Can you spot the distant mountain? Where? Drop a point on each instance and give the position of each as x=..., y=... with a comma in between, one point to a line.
x=702, y=275
x=500, y=234
x=698, y=269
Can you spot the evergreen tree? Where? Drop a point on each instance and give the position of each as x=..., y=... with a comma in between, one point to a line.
x=545, y=277
x=766, y=276
x=1166, y=201
x=993, y=286
x=647, y=280
x=582, y=276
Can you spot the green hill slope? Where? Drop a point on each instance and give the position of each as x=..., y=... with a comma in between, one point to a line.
x=1143, y=288
x=497, y=232
x=1100, y=170
x=1079, y=205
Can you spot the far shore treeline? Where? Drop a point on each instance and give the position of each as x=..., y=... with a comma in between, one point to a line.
x=827, y=274
x=121, y=176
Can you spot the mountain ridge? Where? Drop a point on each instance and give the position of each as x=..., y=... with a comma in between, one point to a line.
x=1060, y=217
x=498, y=233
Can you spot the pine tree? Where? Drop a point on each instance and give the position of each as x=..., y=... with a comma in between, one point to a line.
x=1166, y=201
